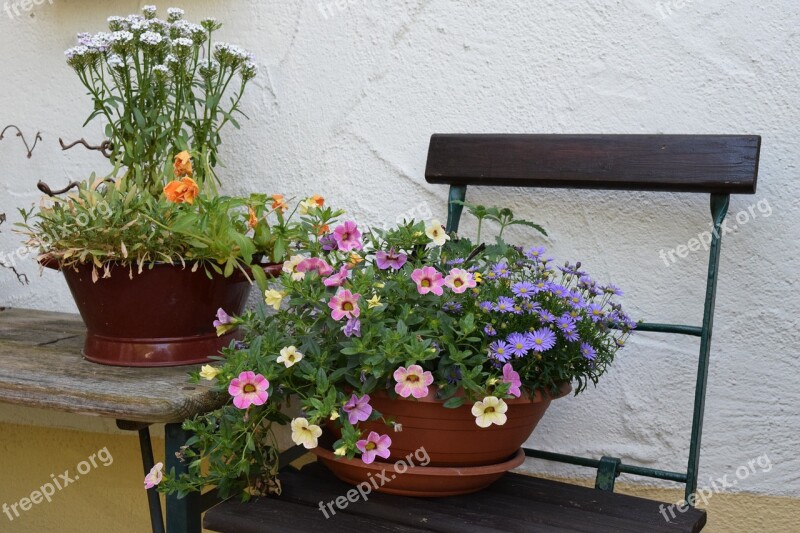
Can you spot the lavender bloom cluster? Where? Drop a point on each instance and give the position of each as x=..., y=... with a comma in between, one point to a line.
x=531, y=311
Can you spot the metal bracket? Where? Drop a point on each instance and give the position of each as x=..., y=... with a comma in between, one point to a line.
x=607, y=473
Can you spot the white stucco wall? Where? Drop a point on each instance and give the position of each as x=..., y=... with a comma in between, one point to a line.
x=348, y=97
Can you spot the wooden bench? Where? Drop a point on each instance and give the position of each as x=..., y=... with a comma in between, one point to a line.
x=718, y=165
x=41, y=366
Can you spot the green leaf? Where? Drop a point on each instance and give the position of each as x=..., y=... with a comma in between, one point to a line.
x=454, y=402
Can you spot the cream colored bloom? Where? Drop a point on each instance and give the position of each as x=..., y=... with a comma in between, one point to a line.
x=491, y=410
x=375, y=301
x=274, y=298
x=290, y=267
x=289, y=356
x=305, y=433
x=341, y=451
x=334, y=415
x=436, y=233
x=209, y=372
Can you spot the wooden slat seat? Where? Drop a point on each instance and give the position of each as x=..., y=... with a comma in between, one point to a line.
x=515, y=503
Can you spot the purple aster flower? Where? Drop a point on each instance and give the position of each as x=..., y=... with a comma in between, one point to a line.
x=612, y=289
x=486, y=306
x=535, y=253
x=587, y=351
x=540, y=286
x=531, y=307
x=454, y=375
x=571, y=334
x=565, y=322
x=489, y=330
x=595, y=312
x=504, y=304
x=357, y=409
x=451, y=307
x=352, y=327
x=519, y=344
x=500, y=351
x=501, y=269
x=575, y=300
x=491, y=275
x=542, y=339
x=390, y=259
x=517, y=309
x=522, y=289
x=585, y=282
x=546, y=316
x=558, y=290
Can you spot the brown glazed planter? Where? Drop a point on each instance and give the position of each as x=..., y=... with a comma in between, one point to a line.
x=450, y=436
x=415, y=480
x=161, y=317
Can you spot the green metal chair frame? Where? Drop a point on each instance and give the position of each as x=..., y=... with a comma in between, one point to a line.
x=720, y=165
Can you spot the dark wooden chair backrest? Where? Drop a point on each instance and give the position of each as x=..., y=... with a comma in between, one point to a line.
x=725, y=164
x=719, y=165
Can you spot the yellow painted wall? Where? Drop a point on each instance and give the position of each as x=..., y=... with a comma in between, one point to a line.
x=112, y=498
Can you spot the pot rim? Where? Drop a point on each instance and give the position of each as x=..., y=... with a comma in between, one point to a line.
x=53, y=264
x=417, y=470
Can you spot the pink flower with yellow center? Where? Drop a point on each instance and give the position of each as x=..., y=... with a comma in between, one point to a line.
x=347, y=236
x=344, y=304
x=314, y=264
x=460, y=280
x=338, y=279
x=249, y=389
x=412, y=381
x=374, y=445
x=428, y=279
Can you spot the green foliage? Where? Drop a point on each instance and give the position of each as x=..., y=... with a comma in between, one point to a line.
x=452, y=336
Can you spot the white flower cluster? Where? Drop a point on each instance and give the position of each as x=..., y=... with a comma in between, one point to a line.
x=115, y=61
x=230, y=55
x=149, y=12
x=174, y=14
x=151, y=38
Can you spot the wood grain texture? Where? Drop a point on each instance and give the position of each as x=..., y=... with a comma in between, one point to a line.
x=675, y=163
x=41, y=366
x=514, y=503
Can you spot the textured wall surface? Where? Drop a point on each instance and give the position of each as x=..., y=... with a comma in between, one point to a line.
x=349, y=93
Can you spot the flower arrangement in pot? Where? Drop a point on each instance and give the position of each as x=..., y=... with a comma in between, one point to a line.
x=150, y=249
x=403, y=344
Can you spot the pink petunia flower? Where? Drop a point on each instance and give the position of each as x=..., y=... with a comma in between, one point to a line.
x=374, y=445
x=357, y=409
x=224, y=322
x=347, y=236
x=249, y=389
x=338, y=279
x=390, y=259
x=512, y=377
x=460, y=280
x=314, y=264
x=428, y=279
x=344, y=304
x=412, y=381
x=154, y=477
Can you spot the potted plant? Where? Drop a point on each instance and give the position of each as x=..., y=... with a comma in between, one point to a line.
x=151, y=250
x=401, y=344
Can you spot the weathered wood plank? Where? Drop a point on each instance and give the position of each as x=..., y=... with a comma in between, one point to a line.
x=514, y=503
x=676, y=163
x=41, y=366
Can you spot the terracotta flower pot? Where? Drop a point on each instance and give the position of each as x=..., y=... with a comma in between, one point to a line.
x=412, y=479
x=450, y=436
x=161, y=317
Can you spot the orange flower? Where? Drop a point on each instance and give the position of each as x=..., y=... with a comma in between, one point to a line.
x=253, y=222
x=317, y=200
x=183, y=165
x=279, y=203
x=354, y=260
x=323, y=229
x=311, y=203
x=185, y=190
